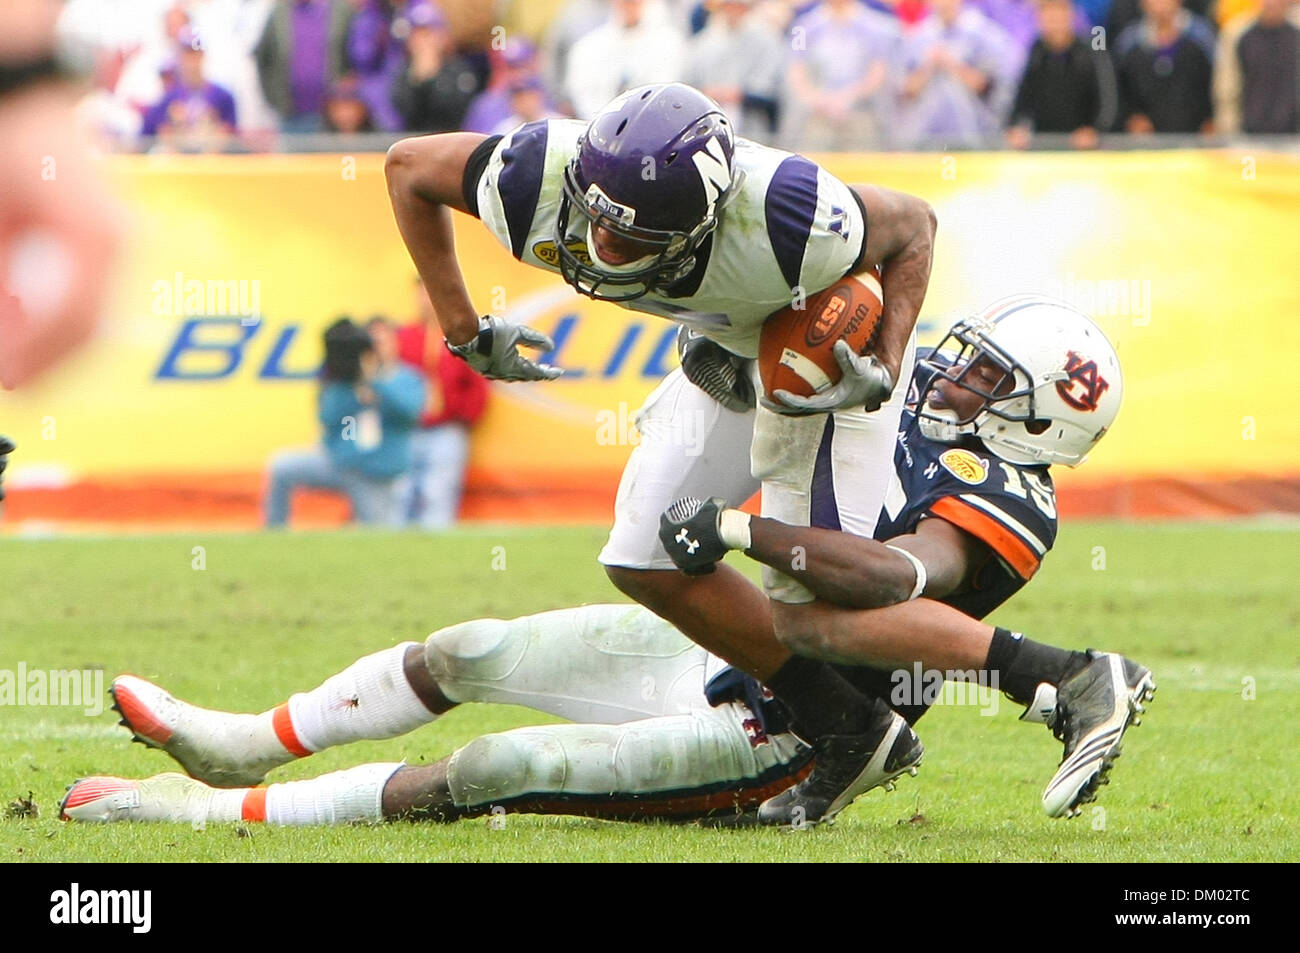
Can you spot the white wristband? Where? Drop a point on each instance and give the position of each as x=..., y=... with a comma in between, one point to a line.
x=733, y=529
x=918, y=566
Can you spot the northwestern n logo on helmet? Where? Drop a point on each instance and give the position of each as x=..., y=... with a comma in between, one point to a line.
x=1083, y=386
x=711, y=163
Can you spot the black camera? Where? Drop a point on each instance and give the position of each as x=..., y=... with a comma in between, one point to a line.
x=345, y=342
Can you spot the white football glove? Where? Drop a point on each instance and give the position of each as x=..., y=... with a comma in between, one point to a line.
x=865, y=384
x=494, y=352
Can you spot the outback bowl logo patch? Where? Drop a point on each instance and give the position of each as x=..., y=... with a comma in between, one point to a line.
x=548, y=255
x=1083, y=386
x=964, y=465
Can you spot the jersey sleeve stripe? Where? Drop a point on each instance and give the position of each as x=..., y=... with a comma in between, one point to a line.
x=520, y=181
x=862, y=249
x=1006, y=519
x=790, y=208
x=983, y=527
x=474, y=166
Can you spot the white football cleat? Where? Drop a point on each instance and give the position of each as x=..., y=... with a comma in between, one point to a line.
x=1094, y=708
x=166, y=797
x=216, y=747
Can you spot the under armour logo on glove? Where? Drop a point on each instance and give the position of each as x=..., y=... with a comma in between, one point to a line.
x=688, y=530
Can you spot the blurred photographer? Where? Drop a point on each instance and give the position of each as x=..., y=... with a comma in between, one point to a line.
x=6, y=447
x=369, y=404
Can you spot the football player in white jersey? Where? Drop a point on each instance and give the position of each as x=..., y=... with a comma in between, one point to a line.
x=665, y=729
x=655, y=205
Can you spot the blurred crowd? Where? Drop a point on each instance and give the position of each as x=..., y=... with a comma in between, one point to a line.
x=225, y=75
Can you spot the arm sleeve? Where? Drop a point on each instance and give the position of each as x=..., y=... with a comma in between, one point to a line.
x=402, y=93
x=336, y=402
x=153, y=118
x=1107, y=92
x=401, y=396
x=1227, y=80
x=478, y=160
x=226, y=108
x=1020, y=109
x=510, y=185
x=1128, y=100
x=993, y=522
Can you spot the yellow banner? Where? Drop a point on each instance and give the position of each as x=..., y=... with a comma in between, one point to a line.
x=205, y=362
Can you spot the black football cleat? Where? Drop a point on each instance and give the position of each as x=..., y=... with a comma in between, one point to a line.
x=844, y=767
x=1094, y=707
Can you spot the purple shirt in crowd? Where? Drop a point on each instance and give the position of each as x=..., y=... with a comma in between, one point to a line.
x=184, y=107
x=946, y=109
x=488, y=110
x=377, y=58
x=838, y=53
x=1020, y=19
x=309, y=32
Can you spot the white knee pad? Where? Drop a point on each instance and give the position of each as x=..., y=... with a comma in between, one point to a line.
x=670, y=753
x=600, y=663
x=508, y=765
x=688, y=751
x=482, y=650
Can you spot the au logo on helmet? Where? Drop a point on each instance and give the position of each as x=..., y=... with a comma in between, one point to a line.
x=1083, y=386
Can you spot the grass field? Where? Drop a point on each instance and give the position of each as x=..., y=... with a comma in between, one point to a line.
x=1211, y=774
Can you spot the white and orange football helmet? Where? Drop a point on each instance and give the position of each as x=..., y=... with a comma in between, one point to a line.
x=1064, y=387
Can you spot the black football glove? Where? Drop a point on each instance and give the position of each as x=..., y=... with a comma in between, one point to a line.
x=716, y=371
x=6, y=448
x=689, y=531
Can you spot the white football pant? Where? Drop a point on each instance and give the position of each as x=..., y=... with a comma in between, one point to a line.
x=637, y=686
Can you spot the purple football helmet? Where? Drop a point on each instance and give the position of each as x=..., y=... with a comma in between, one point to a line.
x=652, y=169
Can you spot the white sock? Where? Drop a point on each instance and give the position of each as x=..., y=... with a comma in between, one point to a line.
x=342, y=797
x=369, y=700
x=227, y=804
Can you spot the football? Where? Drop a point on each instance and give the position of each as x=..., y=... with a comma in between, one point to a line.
x=796, y=346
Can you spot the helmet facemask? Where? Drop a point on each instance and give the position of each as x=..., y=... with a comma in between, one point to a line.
x=670, y=256
x=1006, y=401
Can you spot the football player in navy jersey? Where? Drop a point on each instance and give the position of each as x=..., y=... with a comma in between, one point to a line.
x=1030, y=381
x=655, y=205
x=665, y=729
